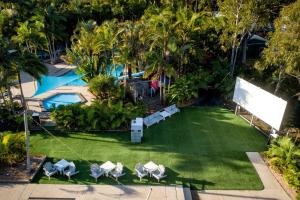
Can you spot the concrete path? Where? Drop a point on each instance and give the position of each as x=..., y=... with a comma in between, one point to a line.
x=272, y=189
x=90, y=192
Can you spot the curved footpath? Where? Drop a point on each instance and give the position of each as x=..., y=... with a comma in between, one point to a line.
x=272, y=190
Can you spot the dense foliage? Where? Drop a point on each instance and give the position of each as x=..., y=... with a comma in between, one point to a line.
x=186, y=88
x=98, y=116
x=284, y=156
x=10, y=121
x=12, y=147
x=105, y=88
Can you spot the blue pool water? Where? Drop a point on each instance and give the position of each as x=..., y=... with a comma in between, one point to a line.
x=61, y=99
x=51, y=82
x=72, y=79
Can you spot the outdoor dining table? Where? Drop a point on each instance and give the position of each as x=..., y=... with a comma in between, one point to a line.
x=107, y=167
x=61, y=165
x=150, y=167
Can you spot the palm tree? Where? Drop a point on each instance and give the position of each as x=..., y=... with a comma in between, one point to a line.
x=86, y=49
x=129, y=47
x=187, y=22
x=161, y=43
x=30, y=33
x=23, y=60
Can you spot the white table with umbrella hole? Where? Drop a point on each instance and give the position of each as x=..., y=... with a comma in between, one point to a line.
x=61, y=165
x=108, y=167
x=150, y=167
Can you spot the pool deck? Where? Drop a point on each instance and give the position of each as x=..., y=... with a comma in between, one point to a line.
x=29, y=88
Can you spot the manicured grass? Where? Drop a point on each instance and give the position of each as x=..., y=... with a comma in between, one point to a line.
x=201, y=147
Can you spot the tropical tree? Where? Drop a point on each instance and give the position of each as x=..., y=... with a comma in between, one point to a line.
x=30, y=33
x=23, y=60
x=105, y=87
x=7, y=74
x=240, y=17
x=85, y=50
x=283, y=47
x=187, y=23
x=129, y=47
x=93, y=48
x=53, y=29
x=161, y=43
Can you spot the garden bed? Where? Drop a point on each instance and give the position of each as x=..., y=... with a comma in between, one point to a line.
x=289, y=190
x=18, y=173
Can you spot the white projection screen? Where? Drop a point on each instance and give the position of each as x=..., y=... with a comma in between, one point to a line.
x=262, y=104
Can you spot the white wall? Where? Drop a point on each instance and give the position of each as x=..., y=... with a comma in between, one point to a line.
x=262, y=104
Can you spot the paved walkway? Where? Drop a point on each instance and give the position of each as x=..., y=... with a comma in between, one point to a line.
x=272, y=189
x=90, y=192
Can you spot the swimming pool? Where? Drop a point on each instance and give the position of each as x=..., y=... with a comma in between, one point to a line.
x=72, y=79
x=51, y=82
x=62, y=99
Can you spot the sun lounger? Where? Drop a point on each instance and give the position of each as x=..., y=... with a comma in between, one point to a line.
x=172, y=109
x=152, y=119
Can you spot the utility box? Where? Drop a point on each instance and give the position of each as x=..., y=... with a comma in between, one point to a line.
x=136, y=130
x=36, y=119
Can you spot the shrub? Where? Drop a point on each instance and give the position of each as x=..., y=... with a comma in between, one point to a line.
x=105, y=88
x=98, y=116
x=283, y=155
x=185, y=88
x=12, y=147
x=69, y=117
x=10, y=122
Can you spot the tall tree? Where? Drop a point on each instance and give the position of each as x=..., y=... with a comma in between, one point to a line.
x=161, y=42
x=240, y=17
x=54, y=29
x=283, y=47
x=23, y=60
x=30, y=34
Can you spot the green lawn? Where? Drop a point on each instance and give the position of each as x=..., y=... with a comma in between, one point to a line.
x=201, y=147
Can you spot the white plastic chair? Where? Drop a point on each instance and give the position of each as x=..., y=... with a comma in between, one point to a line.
x=140, y=171
x=71, y=171
x=96, y=171
x=118, y=171
x=49, y=169
x=160, y=173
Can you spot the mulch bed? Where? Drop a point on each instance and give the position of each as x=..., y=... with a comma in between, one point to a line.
x=18, y=173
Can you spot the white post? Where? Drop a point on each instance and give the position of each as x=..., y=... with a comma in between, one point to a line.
x=251, y=120
x=236, y=109
x=27, y=141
